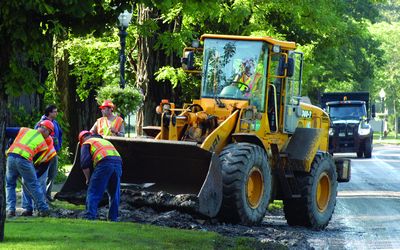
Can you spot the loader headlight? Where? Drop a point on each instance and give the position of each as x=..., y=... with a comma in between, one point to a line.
x=364, y=129
x=331, y=131
x=166, y=107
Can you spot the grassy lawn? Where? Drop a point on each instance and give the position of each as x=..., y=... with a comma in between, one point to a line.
x=390, y=139
x=53, y=233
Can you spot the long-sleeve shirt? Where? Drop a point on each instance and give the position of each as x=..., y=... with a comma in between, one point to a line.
x=86, y=157
x=57, y=137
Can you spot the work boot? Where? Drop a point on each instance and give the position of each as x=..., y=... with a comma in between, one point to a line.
x=26, y=213
x=10, y=213
x=44, y=213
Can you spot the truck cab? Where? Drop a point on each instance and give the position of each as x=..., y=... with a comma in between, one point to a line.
x=350, y=130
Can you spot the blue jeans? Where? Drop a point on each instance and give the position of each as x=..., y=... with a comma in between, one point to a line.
x=16, y=167
x=106, y=177
x=51, y=176
x=27, y=202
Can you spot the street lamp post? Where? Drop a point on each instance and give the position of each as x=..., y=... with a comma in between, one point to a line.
x=382, y=95
x=124, y=20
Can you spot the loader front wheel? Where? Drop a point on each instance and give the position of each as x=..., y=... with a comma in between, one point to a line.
x=246, y=183
x=318, y=195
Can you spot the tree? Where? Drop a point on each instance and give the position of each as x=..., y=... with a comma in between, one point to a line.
x=388, y=76
x=26, y=37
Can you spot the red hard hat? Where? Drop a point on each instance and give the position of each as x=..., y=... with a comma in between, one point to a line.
x=49, y=125
x=82, y=134
x=107, y=103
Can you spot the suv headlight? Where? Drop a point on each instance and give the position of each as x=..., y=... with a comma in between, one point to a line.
x=331, y=131
x=364, y=129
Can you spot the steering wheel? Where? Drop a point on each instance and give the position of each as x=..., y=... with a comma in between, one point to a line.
x=242, y=84
x=195, y=108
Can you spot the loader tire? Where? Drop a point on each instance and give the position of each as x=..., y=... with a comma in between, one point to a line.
x=318, y=195
x=246, y=179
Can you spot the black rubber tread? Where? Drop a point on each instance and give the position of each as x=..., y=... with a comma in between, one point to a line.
x=237, y=160
x=368, y=148
x=304, y=211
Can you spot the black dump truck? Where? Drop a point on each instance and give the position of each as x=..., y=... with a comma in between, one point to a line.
x=350, y=130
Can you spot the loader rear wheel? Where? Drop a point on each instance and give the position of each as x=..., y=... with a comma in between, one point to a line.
x=318, y=190
x=246, y=183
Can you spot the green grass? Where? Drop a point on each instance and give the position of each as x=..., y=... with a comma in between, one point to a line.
x=390, y=138
x=66, y=205
x=53, y=233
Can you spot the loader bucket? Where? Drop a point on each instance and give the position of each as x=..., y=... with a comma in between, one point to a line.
x=175, y=167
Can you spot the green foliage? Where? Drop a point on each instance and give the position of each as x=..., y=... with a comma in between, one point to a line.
x=172, y=74
x=64, y=156
x=388, y=76
x=127, y=100
x=178, y=77
x=27, y=31
x=23, y=118
x=93, y=62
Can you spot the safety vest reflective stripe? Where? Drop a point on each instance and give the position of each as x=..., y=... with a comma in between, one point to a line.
x=28, y=143
x=100, y=148
x=117, y=123
x=104, y=128
x=46, y=156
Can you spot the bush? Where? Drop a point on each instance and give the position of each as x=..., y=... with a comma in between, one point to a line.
x=126, y=100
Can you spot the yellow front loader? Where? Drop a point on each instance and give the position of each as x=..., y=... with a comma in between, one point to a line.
x=247, y=141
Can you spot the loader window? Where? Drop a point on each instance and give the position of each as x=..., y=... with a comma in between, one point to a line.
x=235, y=70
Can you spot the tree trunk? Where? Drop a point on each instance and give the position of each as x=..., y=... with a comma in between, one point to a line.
x=3, y=125
x=79, y=115
x=148, y=62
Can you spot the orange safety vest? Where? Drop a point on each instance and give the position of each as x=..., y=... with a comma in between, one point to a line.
x=47, y=155
x=28, y=143
x=104, y=126
x=100, y=148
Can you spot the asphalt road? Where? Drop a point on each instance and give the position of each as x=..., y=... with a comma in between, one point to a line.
x=367, y=214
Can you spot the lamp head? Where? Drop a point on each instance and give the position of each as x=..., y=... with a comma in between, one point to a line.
x=124, y=19
x=382, y=94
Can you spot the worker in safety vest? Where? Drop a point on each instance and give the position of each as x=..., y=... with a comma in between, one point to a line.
x=27, y=146
x=100, y=154
x=41, y=164
x=109, y=124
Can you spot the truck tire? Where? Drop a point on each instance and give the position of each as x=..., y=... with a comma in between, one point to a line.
x=318, y=195
x=359, y=154
x=368, y=148
x=246, y=183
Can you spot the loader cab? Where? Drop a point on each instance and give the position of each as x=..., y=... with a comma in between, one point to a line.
x=262, y=71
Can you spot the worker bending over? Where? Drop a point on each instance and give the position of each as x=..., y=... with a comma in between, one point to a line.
x=100, y=154
x=28, y=144
x=109, y=124
x=41, y=164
